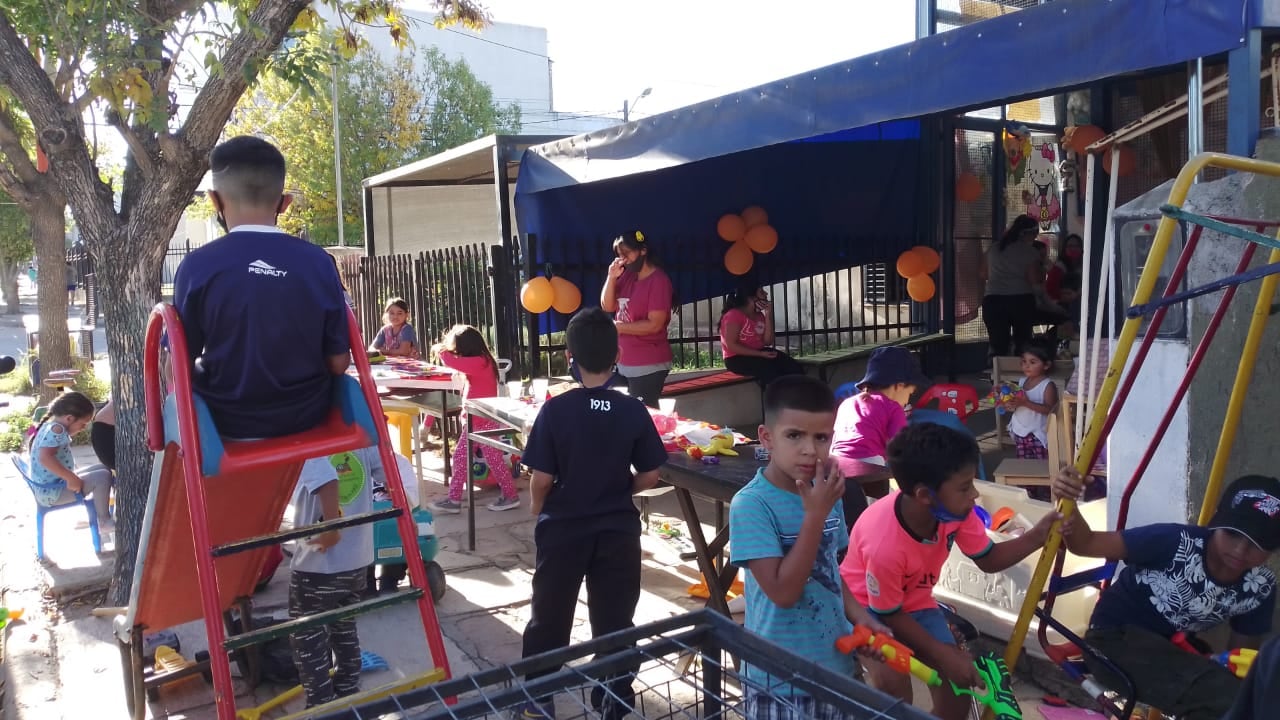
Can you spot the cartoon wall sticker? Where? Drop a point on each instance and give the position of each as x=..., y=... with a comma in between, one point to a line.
x=1042, y=202
x=1017, y=152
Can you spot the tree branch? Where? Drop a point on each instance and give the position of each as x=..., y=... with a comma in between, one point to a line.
x=59, y=130
x=244, y=55
x=142, y=151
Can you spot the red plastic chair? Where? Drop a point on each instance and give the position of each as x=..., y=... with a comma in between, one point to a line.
x=960, y=400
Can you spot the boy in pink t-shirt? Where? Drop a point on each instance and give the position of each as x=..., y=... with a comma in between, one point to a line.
x=898, y=547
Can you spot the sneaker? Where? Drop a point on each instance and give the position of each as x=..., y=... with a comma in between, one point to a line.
x=615, y=704
x=505, y=503
x=446, y=506
x=533, y=710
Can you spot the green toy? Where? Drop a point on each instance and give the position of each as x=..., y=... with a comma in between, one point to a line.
x=7, y=615
x=999, y=688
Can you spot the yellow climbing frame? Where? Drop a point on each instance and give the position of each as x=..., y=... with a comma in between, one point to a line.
x=1128, y=333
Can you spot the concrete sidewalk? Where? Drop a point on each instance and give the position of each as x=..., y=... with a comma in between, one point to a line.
x=61, y=662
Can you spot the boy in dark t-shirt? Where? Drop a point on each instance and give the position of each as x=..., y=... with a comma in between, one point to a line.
x=263, y=311
x=1183, y=579
x=582, y=449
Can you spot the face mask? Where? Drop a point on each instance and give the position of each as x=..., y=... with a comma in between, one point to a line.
x=222, y=221
x=636, y=265
x=1075, y=253
x=941, y=514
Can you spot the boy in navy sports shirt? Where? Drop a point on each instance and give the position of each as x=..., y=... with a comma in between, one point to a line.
x=263, y=311
x=582, y=449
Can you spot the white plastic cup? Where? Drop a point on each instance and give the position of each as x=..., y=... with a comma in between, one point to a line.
x=667, y=406
x=515, y=389
x=538, y=389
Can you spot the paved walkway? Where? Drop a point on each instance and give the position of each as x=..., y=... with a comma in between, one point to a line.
x=62, y=663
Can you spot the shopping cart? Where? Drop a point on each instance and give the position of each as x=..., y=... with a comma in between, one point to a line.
x=583, y=676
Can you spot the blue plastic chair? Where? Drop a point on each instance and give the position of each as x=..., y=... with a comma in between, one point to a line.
x=41, y=510
x=946, y=419
x=846, y=391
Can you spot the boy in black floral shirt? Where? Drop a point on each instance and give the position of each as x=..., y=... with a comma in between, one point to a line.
x=1183, y=579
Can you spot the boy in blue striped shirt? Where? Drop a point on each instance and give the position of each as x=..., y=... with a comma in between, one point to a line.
x=786, y=528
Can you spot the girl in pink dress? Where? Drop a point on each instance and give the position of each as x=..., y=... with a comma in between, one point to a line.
x=463, y=349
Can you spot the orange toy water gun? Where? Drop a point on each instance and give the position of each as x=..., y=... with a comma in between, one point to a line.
x=896, y=655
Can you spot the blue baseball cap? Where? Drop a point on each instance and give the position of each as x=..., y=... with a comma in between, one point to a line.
x=891, y=365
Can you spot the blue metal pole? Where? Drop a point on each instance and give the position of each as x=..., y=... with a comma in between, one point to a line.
x=1244, y=95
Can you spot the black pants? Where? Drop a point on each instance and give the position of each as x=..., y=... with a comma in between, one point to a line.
x=1178, y=682
x=103, y=438
x=334, y=646
x=647, y=387
x=1008, y=317
x=609, y=561
x=764, y=370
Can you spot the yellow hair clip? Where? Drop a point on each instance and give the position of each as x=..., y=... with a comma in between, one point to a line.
x=639, y=236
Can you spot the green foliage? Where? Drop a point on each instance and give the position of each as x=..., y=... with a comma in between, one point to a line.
x=15, y=233
x=390, y=114
x=17, y=382
x=13, y=430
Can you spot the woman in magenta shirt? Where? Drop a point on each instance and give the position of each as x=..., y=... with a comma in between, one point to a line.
x=746, y=337
x=640, y=295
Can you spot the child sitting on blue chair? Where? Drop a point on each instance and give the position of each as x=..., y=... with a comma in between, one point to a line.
x=55, y=479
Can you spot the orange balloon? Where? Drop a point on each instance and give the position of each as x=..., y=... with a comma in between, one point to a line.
x=537, y=295
x=921, y=288
x=968, y=187
x=568, y=297
x=1128, y=160
x=731, y=228
x=1083, y=136
x=910, y=264
x=929, y=257
x=754, y=216
x=738, y=259
x=762, y=238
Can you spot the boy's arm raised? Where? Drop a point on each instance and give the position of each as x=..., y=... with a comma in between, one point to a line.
x=1081, y=539
x=782, y=579
x=1005, y=555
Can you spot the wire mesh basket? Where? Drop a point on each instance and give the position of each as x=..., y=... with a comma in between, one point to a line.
x=682, y=667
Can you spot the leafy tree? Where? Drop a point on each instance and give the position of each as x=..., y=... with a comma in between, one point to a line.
x=124, y=61
x=15, y=250
x=391, y=114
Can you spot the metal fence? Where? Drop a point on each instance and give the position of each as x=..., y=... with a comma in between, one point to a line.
x=442, y=288
x=832, y=304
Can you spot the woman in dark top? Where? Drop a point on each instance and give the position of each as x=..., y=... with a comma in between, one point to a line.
x=1011, y=273
x=1065, y=279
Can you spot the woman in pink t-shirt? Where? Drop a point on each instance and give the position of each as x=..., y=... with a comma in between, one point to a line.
x=640, y=295
x=746, y=337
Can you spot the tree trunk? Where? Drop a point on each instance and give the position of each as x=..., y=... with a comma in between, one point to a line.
x=128, y=290
x=9, y=284
x=48, y=234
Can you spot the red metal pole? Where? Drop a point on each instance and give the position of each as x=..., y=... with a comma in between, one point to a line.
x=1193, y=366
x=1122, y=393
x=404, y=522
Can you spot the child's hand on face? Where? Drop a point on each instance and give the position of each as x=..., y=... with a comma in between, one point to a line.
x=826, y=489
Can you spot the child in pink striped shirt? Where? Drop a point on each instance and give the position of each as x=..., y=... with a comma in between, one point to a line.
x=464, y=350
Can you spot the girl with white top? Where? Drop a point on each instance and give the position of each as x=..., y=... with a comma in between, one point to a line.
x=1029, y=424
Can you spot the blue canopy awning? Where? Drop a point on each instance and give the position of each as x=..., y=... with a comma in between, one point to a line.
x=1030, y=53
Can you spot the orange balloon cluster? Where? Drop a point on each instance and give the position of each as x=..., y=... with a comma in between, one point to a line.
x=541, y=294
x=916, y=265
x=968, y=187
x=750, y=232
x=1077, y=138
x=1128, y=160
